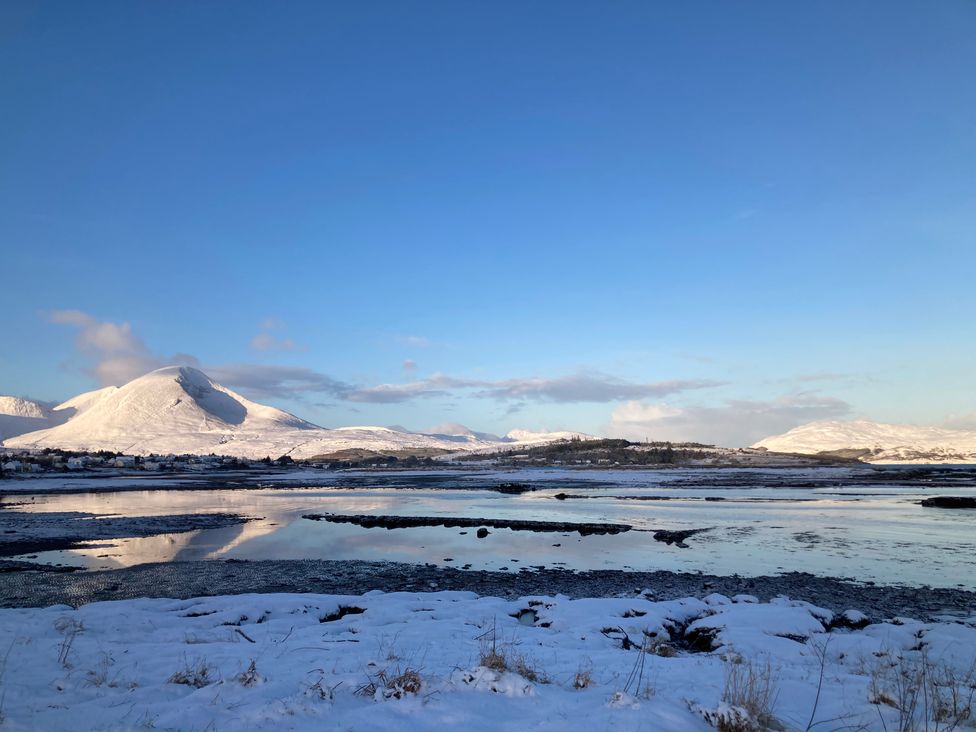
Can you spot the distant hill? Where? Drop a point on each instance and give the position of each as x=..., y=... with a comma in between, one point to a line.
x=612, y=453
x=877, y=443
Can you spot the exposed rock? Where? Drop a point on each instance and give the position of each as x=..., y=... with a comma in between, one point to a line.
x=676, y=537
x=512, y=489
x=950, y=502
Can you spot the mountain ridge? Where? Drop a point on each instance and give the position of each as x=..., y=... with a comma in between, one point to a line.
x=181, y=410
x=877, y=442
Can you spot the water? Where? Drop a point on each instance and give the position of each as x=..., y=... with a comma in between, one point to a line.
x=767, y=522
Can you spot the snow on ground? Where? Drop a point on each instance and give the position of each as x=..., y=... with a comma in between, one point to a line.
x=452, y=659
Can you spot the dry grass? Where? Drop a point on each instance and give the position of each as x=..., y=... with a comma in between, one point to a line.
x=250, y=677
x=926, y=694
x=69, y=628
x=751, y=694
x=584, y=677
x=525, y=668
x=500, y=657
x=196, y=676
x=662, y=648
x=494, y=659
x=392, y=685
x=320, y=692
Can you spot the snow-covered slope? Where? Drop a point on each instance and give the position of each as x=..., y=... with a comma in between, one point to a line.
x=78, y=404
x=18, y=415
x=180, y=410
x=537, y=438
x=879, y=443
x=173, y=409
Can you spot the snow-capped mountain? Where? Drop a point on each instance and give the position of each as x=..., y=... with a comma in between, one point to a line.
x=878, y=443
x=530, y=438
x=459, y=432
x=181, y=410
x=18, y=416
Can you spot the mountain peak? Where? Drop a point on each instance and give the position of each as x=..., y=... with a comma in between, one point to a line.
x=179, y=409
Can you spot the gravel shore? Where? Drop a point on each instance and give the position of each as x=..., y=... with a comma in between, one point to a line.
x=194, y=579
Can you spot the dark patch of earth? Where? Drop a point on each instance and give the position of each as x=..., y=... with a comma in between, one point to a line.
x=195, y=579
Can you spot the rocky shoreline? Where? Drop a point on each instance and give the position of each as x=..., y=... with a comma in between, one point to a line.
x=206, y=578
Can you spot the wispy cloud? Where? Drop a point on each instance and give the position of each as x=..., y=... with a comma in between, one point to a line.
x=119, y=355
x=735, y=423
x=284, y=382
x=294, y=382
x=823, y=376
x=583, y=387
x=414, y=341
x=438, y=385
x=116, y=354
x=586, y=387
x=267, y=340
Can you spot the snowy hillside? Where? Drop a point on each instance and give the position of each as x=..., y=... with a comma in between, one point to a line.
x=527, y=437
x=18, y=416
x=180, y=410
x=878, y=443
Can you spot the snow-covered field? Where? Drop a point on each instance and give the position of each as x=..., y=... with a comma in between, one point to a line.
x=449, y=659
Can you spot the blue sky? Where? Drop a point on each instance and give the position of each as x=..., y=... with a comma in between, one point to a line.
x=694, y=219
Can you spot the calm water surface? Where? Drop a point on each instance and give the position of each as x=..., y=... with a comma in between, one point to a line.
x=841, y=527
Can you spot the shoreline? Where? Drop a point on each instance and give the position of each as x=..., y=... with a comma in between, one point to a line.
x=183, y=580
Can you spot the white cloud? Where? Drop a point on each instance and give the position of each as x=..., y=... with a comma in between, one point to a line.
x=733, y=424
x=413, y=341
x=117, y=355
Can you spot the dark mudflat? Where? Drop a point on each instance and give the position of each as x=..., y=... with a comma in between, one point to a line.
x=409, y=522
